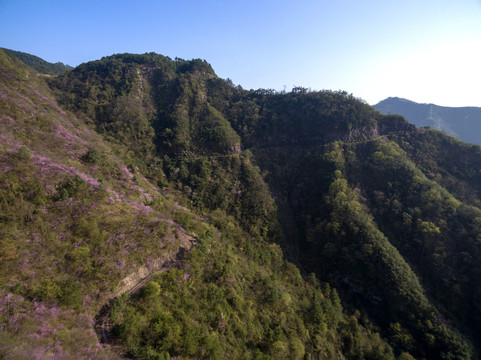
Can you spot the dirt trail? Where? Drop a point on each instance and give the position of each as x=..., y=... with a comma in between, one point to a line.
x=131, y=285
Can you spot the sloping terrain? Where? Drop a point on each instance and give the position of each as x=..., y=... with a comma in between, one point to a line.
x=74, y=221
x=42, y=66
x=81, y=226
x=110, y=169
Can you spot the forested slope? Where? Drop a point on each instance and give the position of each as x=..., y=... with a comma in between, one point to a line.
x=320, y=228
x=42, y=66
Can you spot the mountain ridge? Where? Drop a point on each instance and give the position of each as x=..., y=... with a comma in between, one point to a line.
x=42, y=66
x=461, y=122
x=369, y=204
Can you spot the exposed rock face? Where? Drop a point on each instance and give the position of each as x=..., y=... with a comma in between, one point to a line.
x=135, y=281
x=139, y=278
x=236, y=149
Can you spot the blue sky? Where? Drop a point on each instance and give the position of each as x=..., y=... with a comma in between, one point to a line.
x=423, y=50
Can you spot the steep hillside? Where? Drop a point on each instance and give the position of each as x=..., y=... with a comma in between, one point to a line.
x=114, y=167
x=74, y=222
x=87, y=216
x=461, y=122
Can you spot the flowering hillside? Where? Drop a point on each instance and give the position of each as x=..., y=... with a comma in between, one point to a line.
x=74, y=221
x=151, y=210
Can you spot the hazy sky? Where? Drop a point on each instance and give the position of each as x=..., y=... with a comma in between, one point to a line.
x=423, y=50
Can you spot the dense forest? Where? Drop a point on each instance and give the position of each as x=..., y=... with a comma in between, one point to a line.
x=150, y=209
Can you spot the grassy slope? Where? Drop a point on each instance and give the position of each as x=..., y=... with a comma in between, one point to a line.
x=71, y=226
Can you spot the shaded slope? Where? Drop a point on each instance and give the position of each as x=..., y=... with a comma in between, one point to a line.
x=332, y=170
x=82, y=216
x=342, y=236
x=200, y=154
x=323, y=235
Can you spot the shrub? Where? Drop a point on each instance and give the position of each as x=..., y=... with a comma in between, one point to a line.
x=24, y=153
x=92, y=156
x=151, y=290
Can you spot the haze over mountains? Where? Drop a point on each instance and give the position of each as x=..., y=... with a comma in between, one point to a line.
x=461, y=122
x=149, y=208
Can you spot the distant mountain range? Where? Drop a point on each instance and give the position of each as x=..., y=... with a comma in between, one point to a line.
x=461, y=122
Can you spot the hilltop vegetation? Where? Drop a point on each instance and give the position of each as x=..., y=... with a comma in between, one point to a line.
x=321, y=229
x=42, y=66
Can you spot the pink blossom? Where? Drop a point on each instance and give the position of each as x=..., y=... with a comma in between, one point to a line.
x=67, y=135
x=38, y=353
x=87, y=179
x=45, y=329
x=59, y=109
x=186, y=276
x=54, y=311
x=37, y=237
x=7, y=119
x=25, y=98
x=39, y=307
x=13, y=319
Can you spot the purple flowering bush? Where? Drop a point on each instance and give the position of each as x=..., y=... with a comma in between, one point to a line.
x=73, y=223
